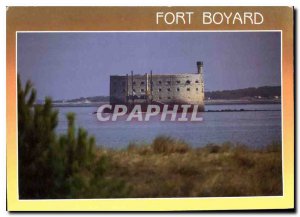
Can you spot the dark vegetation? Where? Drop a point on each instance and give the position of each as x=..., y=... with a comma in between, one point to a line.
x=71, y=166
x=52, y=166
x=268, y=92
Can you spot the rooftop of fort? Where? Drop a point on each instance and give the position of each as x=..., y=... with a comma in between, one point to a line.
x=199, y=70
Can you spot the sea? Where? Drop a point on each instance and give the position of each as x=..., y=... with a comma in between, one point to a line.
x=253, y=125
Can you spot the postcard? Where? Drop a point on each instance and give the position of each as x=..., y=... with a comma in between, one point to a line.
x=150, y=108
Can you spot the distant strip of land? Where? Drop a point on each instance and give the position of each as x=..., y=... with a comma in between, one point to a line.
x=241, y=101
x=207, y=102
x=251, y=95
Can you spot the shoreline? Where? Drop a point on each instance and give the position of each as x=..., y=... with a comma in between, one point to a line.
x=207, y=102
x=241, y=102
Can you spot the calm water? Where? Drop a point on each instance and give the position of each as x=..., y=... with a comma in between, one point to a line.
x=252, y=128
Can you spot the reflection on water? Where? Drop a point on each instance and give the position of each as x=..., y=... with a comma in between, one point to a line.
x=252, y=128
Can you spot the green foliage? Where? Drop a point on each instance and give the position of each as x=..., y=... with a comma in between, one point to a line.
x=52, y=166
x=36, y=127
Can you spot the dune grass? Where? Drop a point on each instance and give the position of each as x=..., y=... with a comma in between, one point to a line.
x=171, y=168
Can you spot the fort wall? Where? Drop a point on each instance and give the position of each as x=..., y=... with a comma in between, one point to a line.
x=181, y=88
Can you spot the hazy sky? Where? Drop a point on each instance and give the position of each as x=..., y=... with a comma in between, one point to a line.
x=71, y=65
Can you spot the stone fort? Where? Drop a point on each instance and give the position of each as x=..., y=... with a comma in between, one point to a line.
x=181, y=88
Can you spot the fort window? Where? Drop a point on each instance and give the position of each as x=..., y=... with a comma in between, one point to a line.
x=133, y=83
x=188, y=89
x=169, y=89
x=159, y=82
x=169, y=97
x=133, y=90
x=178, y=82
x=188, y=82
x=169, y=82
x=196, y=89
x=197, y=81
x=142, y=90
x=142, y=83
x=178, y=89
x=159, y=97
x=159, y=90
x=124, y=90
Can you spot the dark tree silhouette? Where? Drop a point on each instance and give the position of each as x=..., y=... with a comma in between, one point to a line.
x=52, y=166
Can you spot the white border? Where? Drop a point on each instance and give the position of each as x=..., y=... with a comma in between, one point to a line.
x=156, y=31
